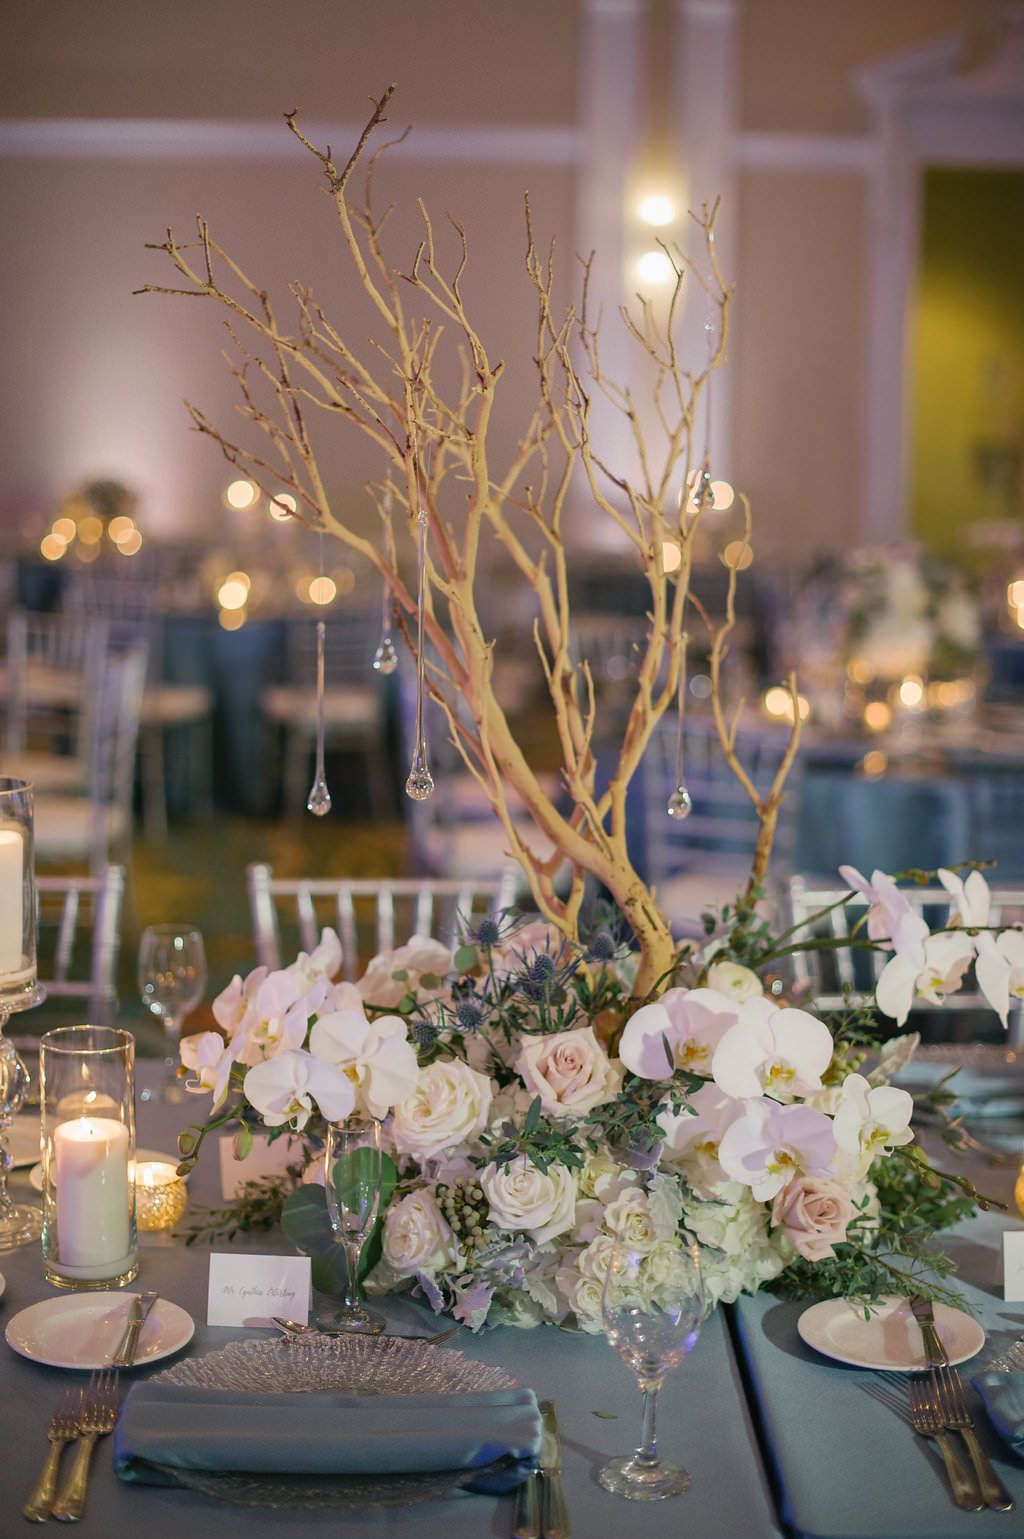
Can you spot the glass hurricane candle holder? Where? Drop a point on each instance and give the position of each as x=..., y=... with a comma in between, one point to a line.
x=87, y=1099
x=161, y=1196
x=19, y=986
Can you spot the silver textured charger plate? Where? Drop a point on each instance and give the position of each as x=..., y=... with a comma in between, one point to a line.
x=364, y=1365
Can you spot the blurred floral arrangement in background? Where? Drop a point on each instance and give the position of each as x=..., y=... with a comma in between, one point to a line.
x=534, y=1110
x=876, y=616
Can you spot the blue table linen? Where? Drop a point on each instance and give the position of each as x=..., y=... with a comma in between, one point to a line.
x=164, y=1427
x=1003, y=1397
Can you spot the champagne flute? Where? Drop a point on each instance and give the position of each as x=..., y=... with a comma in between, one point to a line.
x=353, y=1164
x=652, y=1307
x=172, y=977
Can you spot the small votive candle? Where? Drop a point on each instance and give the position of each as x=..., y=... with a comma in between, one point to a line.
x=160, y=1195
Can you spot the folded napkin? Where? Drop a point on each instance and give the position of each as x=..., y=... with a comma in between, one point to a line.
x=1003, y=1394
x=169, y=1427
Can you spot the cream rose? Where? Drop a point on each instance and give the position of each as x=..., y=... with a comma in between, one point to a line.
x=814, y=1213
x=570, y=1071
x=449, y=1106
x=394, y=974
x=734, y=981
x=415, y=1237
x=541, y=1202
x=629, y=1218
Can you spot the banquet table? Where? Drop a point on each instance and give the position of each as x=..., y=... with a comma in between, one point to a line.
x=778, y=1440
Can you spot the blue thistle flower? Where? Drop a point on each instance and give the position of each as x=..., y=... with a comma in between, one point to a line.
x=602, y=947
x=469, y=1014
x=423, y=1033
x=487, y=932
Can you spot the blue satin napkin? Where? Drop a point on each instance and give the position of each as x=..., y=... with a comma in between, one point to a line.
x=1003, y=1394
x=164, y=1427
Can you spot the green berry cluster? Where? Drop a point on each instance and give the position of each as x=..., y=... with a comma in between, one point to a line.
x=465, y=1210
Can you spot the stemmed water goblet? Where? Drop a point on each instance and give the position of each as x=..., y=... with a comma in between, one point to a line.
x=353, y=1166
x=652, y=1307
x=172, y=978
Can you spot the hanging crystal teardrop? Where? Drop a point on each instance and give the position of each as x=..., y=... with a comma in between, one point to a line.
x=318, y=802
x=385, y=659
x=703, y=491
x=680, y=803
x=420, y=783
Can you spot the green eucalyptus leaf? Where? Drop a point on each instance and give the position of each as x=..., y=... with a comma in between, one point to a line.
x=465, y=958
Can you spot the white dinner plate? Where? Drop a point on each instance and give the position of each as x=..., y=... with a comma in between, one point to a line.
x=35, y=1175
x=3, y=1284
x=84, y=1330
x=891, y=1339
x=23, y=1140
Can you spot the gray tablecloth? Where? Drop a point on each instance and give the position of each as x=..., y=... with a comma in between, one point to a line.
x=703, y=1420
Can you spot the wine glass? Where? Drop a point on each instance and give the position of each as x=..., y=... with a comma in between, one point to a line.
x=352, y=1177
x=172, y=977
x=652, y=1307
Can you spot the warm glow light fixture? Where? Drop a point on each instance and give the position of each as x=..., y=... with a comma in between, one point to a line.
x=282, y=507
x=52, y=546
x=129, y=544
x=671, y=556
x=655, y=267
x=322, y=590
x=240, y=494
x=911, y=692
x=233, y=592
x=657, y=209
x=231, y=619
x=724, y=495
x=65, y=529
x=778, y=702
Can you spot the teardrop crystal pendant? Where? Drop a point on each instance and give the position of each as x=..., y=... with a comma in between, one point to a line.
x=318, y=802
x=420, y=783
x=385, y=659
x=703, y=491
x=680, y=803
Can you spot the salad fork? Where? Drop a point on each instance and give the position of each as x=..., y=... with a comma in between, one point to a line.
x=63, y=1429
x=928, y=1423
x=96, y=1418
x=952, y=1407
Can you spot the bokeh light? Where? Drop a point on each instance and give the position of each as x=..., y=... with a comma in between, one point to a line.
x=655, y=267
x=241, y=493
x=657, y=209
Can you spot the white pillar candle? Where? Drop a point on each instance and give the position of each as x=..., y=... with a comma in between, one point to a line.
x=92, y=1191
x=12, y=876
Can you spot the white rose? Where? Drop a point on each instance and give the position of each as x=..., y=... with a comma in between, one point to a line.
x=448, y=1107
x=734, y=981
x=570, y=1071
x=584, y=1295
x=415, y=1237
x=629, y=1218
x=543, y=1203
x=595, y=1260
x=394, y=974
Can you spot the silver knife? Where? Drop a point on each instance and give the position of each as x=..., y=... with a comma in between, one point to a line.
x=526, y=1515
x=993, y=1492
x=138, y=1314
x=554, y=1522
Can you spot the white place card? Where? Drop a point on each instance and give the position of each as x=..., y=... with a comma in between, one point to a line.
x=250, y=1290
x=263, y=1159
x=1013, y=1265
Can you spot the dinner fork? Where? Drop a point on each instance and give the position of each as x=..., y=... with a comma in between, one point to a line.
x=927, y=1423
x=62, y=1430
x=96, y=1418
x=952, y=1407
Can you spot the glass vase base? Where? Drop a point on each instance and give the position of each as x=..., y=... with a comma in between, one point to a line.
x=349, y=1322
x=644, y=1482
x=20, y=1226
x=91, y=1284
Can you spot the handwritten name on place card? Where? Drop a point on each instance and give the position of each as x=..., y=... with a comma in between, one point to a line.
x=250, y=1290
x=1013, y=1265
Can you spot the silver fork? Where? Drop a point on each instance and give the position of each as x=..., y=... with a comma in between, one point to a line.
x=96, y=1418
x=63, y=1429
x=927, y=1423
x=952, y=1407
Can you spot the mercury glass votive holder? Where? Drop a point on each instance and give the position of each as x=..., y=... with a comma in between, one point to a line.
x=161, y=1196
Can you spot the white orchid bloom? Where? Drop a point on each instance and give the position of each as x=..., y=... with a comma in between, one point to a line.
x=971, y=898
x=377, y=1056
x=870, y=1121
x=890, y=916
x=772, y=1051
x=946, y=959
x=230, y=1006
x=770, y=1145
x=209, y=1057
x=999, y=968
x=679, y=1031
x=294, y=1084
x=692, y=1138
x=320, y=963
x=276, y=1017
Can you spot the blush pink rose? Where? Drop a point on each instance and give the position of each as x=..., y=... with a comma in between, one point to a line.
x=814, y=1212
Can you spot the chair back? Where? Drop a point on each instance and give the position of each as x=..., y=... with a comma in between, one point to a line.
x=52, y=666
x=390, y=909
x=83, y=914
x=716, y=842
x=832, y=977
